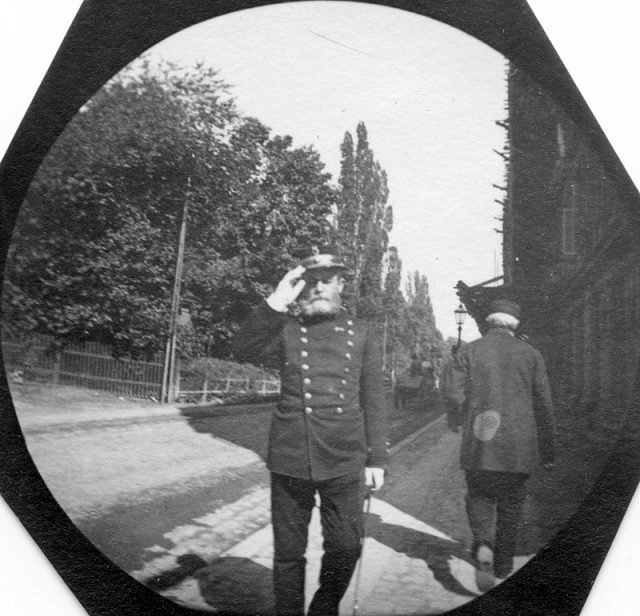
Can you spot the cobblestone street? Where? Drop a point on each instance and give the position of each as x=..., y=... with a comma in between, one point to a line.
x=187, y=513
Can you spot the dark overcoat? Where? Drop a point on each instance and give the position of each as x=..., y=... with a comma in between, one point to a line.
x=331, y=418
x=501, y=387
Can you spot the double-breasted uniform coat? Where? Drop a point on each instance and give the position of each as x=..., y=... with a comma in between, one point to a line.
x=331, y=418
x=330, y=422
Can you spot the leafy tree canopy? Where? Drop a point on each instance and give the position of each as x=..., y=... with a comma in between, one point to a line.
x=94, y=249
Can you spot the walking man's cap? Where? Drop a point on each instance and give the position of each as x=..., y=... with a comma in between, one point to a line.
x=505, y=306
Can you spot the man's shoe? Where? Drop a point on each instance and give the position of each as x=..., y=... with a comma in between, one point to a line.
x=485, y=579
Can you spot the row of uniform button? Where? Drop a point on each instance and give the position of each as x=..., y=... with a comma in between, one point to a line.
x=307, y=381
x=307, y=367
x=304, y=353
x=308, y=410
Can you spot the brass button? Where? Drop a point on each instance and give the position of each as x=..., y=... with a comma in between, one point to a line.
x=339, y=410
x=304, y=340
x=344, y=381
x=305, y=366
x=307, y=395
x=308, y=410
x=347, y=370
x=351, y=332
x=306, y=380
x=349, y=322
x=341, y=396
x=304, y=354
x=349, y=343
x=303, y=329
x=347, y=355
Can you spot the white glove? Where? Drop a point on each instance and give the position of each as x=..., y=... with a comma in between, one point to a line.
x=287, y=290
x=374, y=478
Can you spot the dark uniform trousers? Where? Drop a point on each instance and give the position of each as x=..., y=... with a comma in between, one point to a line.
x=341, y=503
x=494, y=501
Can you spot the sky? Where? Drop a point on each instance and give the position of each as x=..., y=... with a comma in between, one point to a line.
x=429, y=95
x=600, y=51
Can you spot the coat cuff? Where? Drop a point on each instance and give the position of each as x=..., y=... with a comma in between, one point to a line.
x=268, y=315
x=378, y=459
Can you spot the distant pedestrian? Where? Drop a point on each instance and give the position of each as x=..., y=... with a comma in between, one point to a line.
x=501, y=390
x=446, y=380
x=328, y=434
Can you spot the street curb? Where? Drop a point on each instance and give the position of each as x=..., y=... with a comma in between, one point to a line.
x=37, y=421
x=30, y=421
x=206, y=410
x=412, y=437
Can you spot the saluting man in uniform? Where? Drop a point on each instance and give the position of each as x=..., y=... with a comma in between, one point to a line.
x=328, y=433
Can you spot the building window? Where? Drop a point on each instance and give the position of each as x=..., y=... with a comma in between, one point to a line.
x=569, y=218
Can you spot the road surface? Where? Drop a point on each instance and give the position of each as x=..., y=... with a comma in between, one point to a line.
x=178, y=498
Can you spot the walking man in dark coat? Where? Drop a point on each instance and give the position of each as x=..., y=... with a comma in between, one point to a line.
x=328, y=433
x=501, y=388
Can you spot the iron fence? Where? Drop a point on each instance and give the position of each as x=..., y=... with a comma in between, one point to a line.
x=87, y=365
x=213, y=389
x=91, y=365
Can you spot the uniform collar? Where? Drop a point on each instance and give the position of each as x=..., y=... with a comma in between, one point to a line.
x=315, y=319
x=341, y=315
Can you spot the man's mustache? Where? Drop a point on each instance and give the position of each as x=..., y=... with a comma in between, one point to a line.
x=312, y=295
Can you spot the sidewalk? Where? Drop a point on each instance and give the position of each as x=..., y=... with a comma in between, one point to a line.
x=395, y=578
x=410, y=567
x=416, y=557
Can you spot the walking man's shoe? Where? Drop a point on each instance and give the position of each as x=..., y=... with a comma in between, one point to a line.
x=485, y=579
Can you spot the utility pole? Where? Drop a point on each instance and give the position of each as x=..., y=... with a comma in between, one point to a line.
x=168, y=377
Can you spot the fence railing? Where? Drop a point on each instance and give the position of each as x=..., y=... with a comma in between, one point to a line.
x=91, y=365
x=82, y=368
x=213, y=388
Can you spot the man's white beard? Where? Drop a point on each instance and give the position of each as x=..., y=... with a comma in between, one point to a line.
x=319, y=307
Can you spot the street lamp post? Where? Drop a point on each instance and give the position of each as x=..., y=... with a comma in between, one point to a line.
x=460, y=314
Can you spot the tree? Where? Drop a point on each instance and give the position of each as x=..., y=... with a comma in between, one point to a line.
x=262, y=236
x=394, y=308
x=94, y=249
x=420, y=334
x=363, y=222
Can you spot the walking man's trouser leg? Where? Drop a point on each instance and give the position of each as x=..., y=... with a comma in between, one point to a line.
x=494, y=505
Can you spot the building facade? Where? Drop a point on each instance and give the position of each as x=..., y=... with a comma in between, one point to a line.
x=571, y=255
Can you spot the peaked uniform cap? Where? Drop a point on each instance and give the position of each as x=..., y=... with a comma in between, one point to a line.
x=323, y=257
x=505, y=306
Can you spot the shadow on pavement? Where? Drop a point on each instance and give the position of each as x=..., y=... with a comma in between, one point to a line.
x=434, y=551
x=233, y=585
x=246, y=426
x=188, y=564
